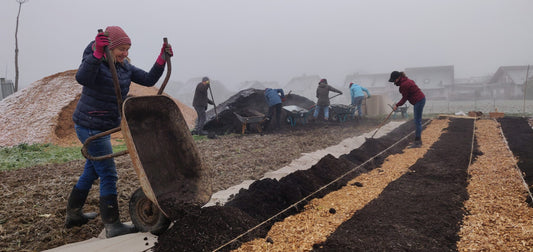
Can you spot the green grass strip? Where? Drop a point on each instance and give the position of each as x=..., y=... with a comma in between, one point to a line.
x=25, y=155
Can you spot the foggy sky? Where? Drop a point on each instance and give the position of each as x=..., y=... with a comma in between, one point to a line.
x=274, y=40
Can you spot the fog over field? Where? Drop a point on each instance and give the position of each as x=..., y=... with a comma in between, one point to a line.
x=238, y=40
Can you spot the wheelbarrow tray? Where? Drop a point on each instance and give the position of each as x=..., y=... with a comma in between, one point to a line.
x=343, y=109
x=295, y=113
x=294, y=110
x=163, y=153
x=257, y=117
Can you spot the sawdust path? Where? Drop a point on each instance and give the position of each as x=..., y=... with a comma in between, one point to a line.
x=499, y=218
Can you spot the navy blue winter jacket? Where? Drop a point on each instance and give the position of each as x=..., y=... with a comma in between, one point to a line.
x=273, y=96
x=97, y=107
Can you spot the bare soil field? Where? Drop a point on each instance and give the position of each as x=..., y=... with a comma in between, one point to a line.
x=461, y=191
x=34, y=198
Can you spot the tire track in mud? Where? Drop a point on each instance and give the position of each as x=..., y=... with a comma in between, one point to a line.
x=267, y=197
x=420, y=211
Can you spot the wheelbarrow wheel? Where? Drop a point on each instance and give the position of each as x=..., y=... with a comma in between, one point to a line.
x=145, y=215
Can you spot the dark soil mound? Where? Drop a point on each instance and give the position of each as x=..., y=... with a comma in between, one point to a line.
x=267, y=197
x=246, y=103
x=519, y=135
x=422, y=210
x=251, y=103
x=194, y=231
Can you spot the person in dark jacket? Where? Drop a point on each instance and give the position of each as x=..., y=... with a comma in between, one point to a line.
x=322, y=93
x=199, y=103
x=96, y=112
x=412, y=93
x=274, y=98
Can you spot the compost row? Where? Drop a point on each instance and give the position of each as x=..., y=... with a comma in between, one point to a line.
x=519, y=135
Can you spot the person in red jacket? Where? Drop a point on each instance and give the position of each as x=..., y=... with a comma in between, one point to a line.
x=412, y=93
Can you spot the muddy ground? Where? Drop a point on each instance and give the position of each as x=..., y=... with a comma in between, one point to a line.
x=33, y=199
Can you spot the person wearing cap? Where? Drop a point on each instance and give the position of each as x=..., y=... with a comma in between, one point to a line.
x=97, y=112
x=274, y=98
x=322, y=93
x=412, y=93
x=199, y=103
x=356, y=92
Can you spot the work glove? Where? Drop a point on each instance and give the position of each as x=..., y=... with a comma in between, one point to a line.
x=100, y=42
x=162, y=56
x=368, y=97
x=283, y=99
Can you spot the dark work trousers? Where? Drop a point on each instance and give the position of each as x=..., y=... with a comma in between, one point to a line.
x=200, y=121
x=418, y=109
x=277, y=109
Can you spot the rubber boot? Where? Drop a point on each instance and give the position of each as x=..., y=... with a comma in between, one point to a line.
x=75, y=217
x=111, y=218
x=417, y=143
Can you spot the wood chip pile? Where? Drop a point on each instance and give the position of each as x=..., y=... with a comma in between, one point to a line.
x=42, y=112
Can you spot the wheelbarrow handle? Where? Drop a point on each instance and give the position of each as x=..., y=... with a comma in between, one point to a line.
x=169, y=69
x=111, y=64
x=85, y=151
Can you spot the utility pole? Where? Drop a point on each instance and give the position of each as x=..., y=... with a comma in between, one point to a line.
x=17, y=47
x=525, y=89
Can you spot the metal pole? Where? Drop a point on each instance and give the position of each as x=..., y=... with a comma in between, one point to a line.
x=525, y=89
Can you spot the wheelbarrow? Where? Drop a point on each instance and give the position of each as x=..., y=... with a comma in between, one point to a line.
x=250, y=116
x=342, y=112
x=400, y=110
x=164, y=156
x=295, y=114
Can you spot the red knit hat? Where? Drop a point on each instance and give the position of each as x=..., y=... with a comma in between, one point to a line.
x=117, y=37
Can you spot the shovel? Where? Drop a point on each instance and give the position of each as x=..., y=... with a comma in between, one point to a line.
x=381, y=124
x=214, y=104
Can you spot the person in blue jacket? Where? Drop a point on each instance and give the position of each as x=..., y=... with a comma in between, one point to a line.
x=96, y=112
x=358, y=96
x=274, y=98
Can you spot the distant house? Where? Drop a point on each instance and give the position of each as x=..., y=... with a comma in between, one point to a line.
x=6, y=88
x=469, y=88
x=508, y=82
x=375, y=83
x=434, y=81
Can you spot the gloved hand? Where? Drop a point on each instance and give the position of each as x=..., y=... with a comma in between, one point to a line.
x=368, y=97
x=166, y=48
x=100, y=42
x=283, y=99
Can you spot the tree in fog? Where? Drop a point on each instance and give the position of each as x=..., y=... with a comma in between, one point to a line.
x=17, y=47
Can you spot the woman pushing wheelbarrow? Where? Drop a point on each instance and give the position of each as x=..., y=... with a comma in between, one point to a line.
x=97, y=112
